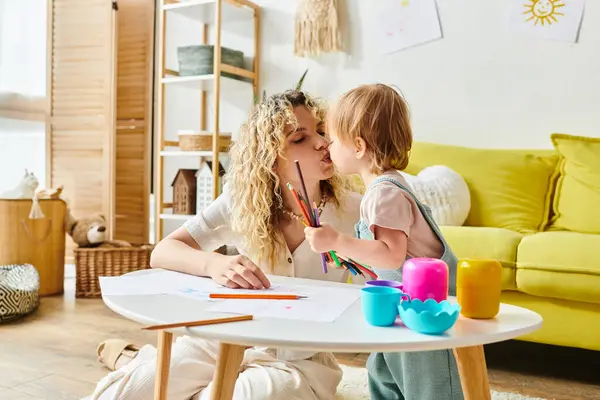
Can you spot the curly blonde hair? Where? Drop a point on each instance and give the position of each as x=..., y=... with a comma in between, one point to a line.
x=256, y=200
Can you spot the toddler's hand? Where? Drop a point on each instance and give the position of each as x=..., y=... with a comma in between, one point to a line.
x=321, y=239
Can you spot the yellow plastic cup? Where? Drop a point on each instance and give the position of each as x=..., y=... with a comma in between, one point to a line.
x=478, y=287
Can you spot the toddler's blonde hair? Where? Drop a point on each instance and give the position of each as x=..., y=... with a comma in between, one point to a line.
x=379, y=115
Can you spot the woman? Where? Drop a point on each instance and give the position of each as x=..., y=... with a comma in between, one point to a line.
x=258, y=215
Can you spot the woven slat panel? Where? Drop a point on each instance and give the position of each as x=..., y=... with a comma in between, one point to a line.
x=131, y=193
x=135, y=34
x=82, y=88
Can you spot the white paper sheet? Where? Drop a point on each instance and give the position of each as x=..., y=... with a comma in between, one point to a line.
x=323, y=304
x=547, y=19
x=399, y=25
x=159, y=282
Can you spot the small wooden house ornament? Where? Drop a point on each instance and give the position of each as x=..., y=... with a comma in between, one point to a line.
x=204, y=184
x=184, y=192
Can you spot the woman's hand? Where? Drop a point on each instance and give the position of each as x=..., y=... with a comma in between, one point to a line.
x=238, y=272
x=322, y=239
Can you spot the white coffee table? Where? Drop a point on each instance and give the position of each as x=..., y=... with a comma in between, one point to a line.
x=349, y=333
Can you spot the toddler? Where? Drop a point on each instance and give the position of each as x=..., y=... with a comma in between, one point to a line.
x=371, y=135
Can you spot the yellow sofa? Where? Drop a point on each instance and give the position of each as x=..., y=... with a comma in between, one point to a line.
x=538, y=213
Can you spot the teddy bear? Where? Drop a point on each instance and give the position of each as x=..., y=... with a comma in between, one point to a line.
x=91, y=232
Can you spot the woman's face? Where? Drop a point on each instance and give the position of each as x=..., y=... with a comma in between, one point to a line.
x=308, y=144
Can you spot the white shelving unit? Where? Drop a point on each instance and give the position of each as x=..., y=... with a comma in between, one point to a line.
x=216, y=14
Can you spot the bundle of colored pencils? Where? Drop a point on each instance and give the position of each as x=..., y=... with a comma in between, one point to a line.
x=311, y=218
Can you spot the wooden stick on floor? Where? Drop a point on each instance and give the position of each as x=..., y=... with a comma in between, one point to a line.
x=473, y=372
x=228, y=366
x=163, y=362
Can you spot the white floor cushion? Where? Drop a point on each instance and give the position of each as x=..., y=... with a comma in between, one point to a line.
x=444, y=191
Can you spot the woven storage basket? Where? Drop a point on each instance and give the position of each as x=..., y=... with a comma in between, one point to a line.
x=91, y=263
x=192, y=141
x=199, y=60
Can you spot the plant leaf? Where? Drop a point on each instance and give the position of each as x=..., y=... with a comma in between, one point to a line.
x=301, y=81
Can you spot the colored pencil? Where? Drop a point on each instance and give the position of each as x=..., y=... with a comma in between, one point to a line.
x=256, y=296
x=323, y=260
x=367, y=271
x=364, y=268
x=311, y=218
x=199, y=323
x=299, y=203
x=335, y=259
x=302, y=185
x=350, y=267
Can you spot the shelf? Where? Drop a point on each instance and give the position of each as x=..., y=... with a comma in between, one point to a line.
x=176, y=217
x=204, y=10
x=181, y=153
x=238, y=17
x=206, y=82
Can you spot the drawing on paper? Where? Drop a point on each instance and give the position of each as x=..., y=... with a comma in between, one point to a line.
x=547, y=19
x=544, y=12
x=399, y=25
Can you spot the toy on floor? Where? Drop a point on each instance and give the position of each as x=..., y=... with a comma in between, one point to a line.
x=91, y=232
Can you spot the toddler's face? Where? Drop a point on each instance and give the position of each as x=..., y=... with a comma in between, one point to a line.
x=343, y=155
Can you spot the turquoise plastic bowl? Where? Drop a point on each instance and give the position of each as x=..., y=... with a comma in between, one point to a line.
x=429, y=317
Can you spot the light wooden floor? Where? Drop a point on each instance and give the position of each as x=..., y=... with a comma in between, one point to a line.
x=51, y=355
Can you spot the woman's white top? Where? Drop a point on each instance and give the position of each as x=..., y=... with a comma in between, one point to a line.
x=211, y=229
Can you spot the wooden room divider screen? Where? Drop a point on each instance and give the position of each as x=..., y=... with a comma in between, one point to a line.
x=99, y=116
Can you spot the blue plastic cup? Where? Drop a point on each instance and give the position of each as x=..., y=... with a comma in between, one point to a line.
x=380, y=304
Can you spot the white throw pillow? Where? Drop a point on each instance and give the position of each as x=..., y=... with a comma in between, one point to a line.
x=444, y=191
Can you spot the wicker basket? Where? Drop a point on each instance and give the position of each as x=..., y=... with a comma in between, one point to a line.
x=199, y=60
x=91, y=263
x=192, y=141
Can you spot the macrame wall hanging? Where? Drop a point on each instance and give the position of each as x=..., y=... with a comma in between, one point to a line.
x=317, y=28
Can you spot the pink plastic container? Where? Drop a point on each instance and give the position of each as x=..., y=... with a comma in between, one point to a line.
x=425, y=278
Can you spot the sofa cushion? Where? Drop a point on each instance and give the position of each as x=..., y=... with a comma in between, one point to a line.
x=481, y=242
x=576, y=203
x=509, y=188
x=563, y=265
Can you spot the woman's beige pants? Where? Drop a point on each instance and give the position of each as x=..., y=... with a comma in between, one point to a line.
x=262, y=376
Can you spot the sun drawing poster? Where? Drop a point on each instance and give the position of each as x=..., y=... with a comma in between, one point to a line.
x=400, y=24
x=547, y=19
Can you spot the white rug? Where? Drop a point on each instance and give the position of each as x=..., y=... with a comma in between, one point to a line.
x=354, y=387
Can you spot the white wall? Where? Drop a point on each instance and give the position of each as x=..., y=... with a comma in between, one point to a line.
x=480, y=85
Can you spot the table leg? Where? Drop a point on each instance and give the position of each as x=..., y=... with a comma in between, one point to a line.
x=163, y=363
x=473, y=372
x=228, y=364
